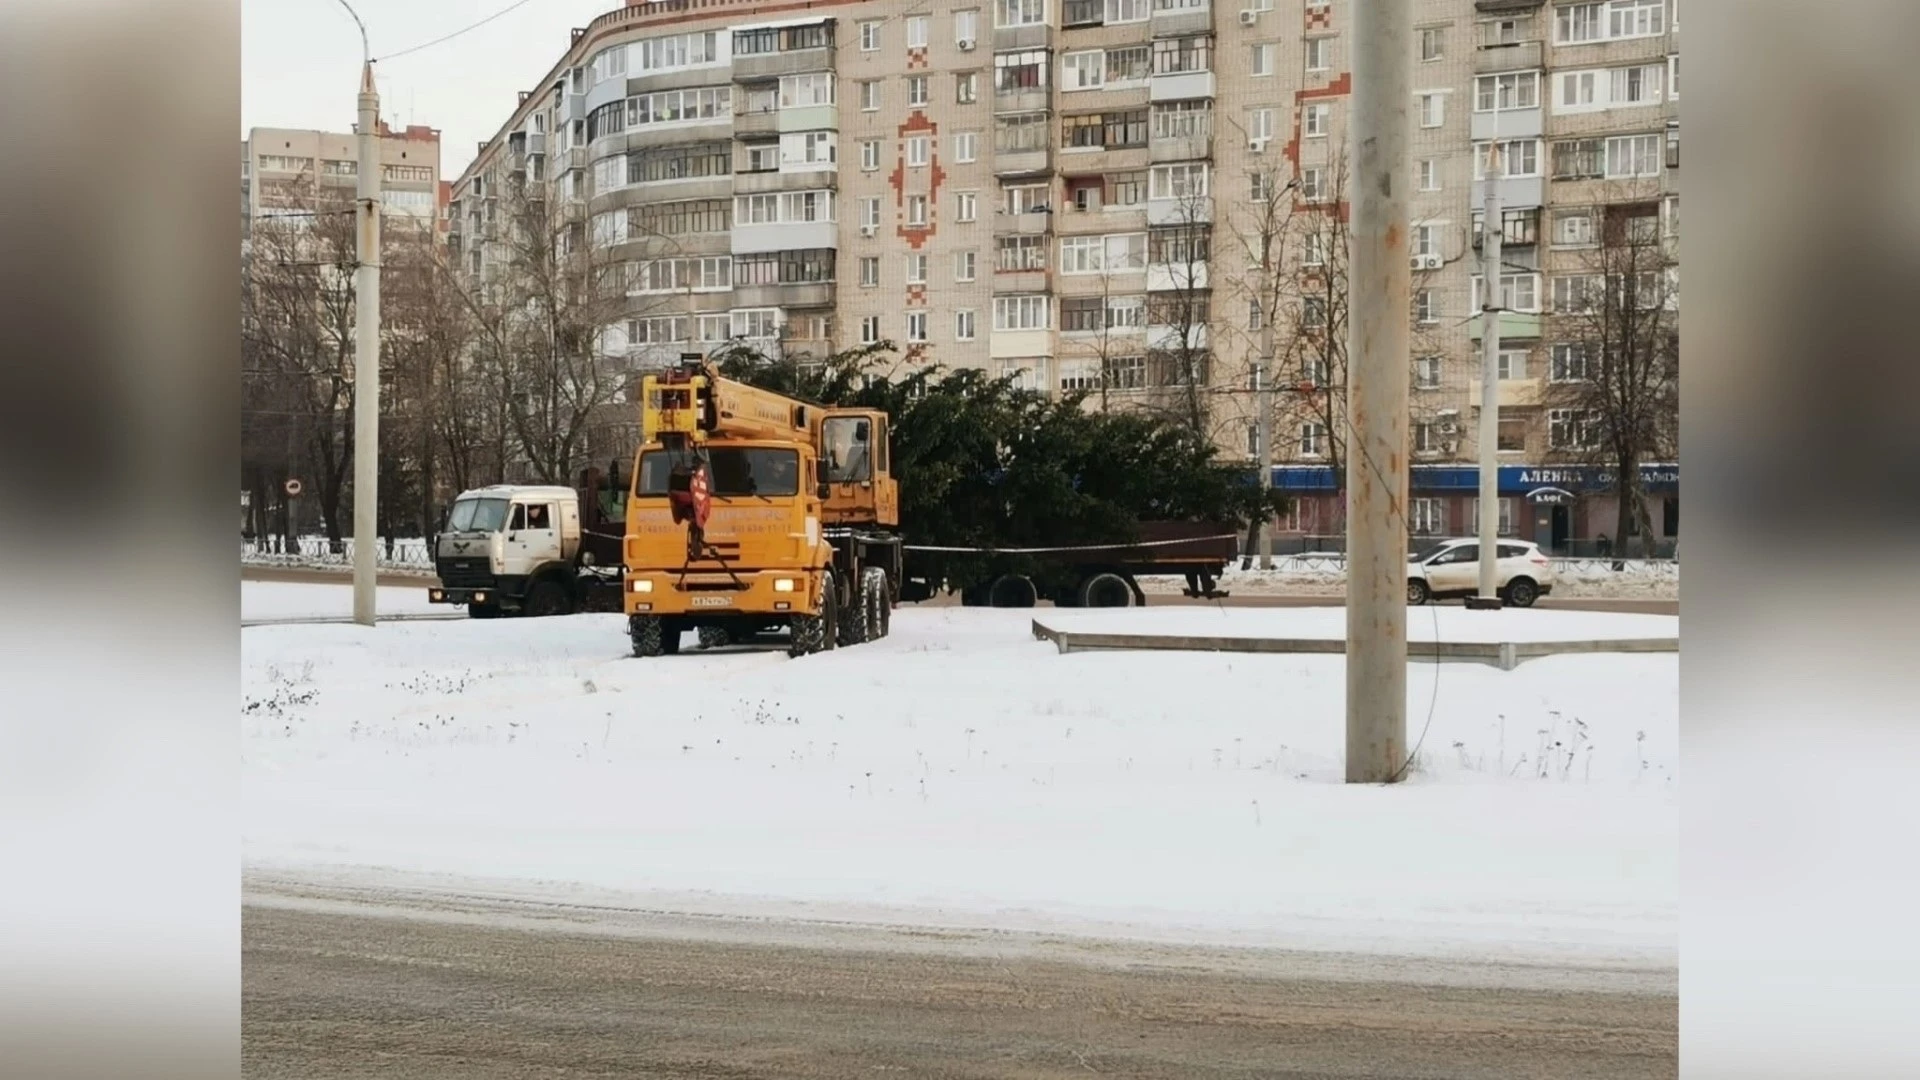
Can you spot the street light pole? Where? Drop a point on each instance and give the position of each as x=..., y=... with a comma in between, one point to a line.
x=366, y=343
x=1379, y=345
x=1492, y=231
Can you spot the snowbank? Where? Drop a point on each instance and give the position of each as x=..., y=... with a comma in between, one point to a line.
x=287, y=600
x=1326, y=575
x=1430, y=623
x=961, y=773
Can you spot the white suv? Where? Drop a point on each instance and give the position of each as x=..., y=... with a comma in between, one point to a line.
x=1452, y=568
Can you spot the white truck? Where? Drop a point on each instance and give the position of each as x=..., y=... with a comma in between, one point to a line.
x=535, y=550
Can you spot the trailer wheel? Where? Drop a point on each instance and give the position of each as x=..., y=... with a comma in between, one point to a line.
x=649, y=635
x=547, y=597
x=879, y=610
x=1013, y=591
x=1106, y=590
x=714, y=637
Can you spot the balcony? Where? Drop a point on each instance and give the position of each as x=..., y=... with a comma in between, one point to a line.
x=1011, y=163
x=809, y=118
x=808, y=294
x=1184, y=148
x=1180, y=22
x=1020, y=281
x=1034, y=99
x=1507, y=124
x=536, y=142
x=1180, y=86
x=1037, y=36
x=1176, y=277
x=1031, y=223
x=1510, y=56
x=752, y=183
x=784, y=236
x=1517, y=191
x=1020, y=344
x=758, y=122
x=1189, y=210
x=1513, y=325
x=759, y=67
x=1168, y=339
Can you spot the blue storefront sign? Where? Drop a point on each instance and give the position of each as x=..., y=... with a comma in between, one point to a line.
x=1514, y=479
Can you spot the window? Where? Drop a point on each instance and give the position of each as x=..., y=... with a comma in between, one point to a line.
x=1588, y=22
x=1020, y=133
x=1126, y=372
x=1518, y=292
x=1572, y=429
x=1427, y=517
x=870, y=330
x=1426, y=372
x=917, y=151
x=1579, y=159
x=1106, y=130
x=870, y=36
x=1124, y=11
x=966, y=87
x=1182, y=55
x=1433, y=43
x=764, y=157
x=1020, y=313
x=966, y=146
x=917, y=268
x=1319, y=53
x=963, y=325
x=1426, y=306
x=714, y=327
x=1498, y=93
x=1024, y=198
x=1517, y=158
x=1673, y=144
x=916, y=210
x=965, y=265
x=680, y=163
x=784, y=267
x=609, y=174
x=685, y=218
x=916, y=326
x=1256, y=316
x=1120, y=253
x=1673, y=77
x=1262, y=60
x=1636, y=18
x=1313, y=184
x=756, y=323
x=1313, y=313
x=1433, y=110
x=870, y=212
x=966, y=25
x=1426, y=239
x=1575, y=294
x=1633, y=156
x=1572, y=228
x=1129, y=63
x=1503, y=513
x=1020, y=12
x=1429, y=174
x=966, y=206
x=869, y=154
x=1183, y=119
x=1186, y=180
x=1579, y=90
x=676, y=275
x=1084, y=71
x=1018, y=253
x=1518, y=228
x=869, y=271
x=870, y=95
x=1313, y=439
x=1512, y=365
x=917, y=90
x=1313, y=249
x=1571, y=362
x=1020, y=72
x=407, y=173
x=919, y=29
x=1261, y=187
x=1315, y=120
x=1180, y=246
x=1511, y=437
x=808, y=148
x=1426, y=437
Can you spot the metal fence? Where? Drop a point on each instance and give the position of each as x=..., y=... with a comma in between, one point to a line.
x=1298, y=545
x=395, y=553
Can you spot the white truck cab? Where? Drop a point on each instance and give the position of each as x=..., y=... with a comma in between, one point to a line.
x=512, y=549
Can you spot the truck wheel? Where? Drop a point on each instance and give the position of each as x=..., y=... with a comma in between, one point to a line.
x=547, y=597
x=649, y=635
x=714, y=637
x=815, y=633
x=1013, y=591
x=879, y=603
x=854, y=618
x=1106, y=590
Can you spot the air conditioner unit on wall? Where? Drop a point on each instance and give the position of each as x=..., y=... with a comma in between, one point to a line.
x=1426, y=262
x=869, y=230
x=1257, y=145
x=1248, y=17
x=966, y=44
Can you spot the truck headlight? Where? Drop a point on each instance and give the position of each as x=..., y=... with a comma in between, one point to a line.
x=784, y=584
x=640, y=585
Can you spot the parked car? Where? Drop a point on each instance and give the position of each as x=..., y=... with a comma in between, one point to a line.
x=1452, y=568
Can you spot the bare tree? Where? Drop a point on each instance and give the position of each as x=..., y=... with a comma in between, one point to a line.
x=1180, y=316
x=1613, y=391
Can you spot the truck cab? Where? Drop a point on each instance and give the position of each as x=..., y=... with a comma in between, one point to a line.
x=510, y=549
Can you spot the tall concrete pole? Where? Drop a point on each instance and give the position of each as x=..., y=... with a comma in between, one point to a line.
x=1263, y=398
x=1378, y=351
x=366, y=355
x=1492, y=231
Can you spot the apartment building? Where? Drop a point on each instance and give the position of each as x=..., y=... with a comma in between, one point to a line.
x=1141, y=198
x=286, y=173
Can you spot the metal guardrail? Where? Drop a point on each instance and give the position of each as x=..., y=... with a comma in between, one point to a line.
x=1505, y=655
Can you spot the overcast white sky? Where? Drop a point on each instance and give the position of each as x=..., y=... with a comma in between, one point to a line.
x=300, y=63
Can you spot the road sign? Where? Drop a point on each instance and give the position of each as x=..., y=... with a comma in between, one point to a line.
x=1549, y=496
x=293, y=486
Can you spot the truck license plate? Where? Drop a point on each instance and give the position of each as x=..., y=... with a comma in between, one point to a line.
x=712, y=601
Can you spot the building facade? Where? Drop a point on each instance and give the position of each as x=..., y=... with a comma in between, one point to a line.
x=1144, y=199
x=287, y=172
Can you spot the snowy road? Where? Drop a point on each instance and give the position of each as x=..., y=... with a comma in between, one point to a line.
x=469, y=991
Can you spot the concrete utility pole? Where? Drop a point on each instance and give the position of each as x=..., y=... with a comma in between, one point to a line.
x=1378, y=346
x=1492, y=231
x=366, y=353
x=1263, y=387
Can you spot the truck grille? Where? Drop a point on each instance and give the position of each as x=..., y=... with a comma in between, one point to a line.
x=464, y=573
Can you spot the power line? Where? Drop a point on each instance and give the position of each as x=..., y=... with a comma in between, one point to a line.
x=449, y=37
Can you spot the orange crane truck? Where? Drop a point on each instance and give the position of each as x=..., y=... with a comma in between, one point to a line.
x=752, y=513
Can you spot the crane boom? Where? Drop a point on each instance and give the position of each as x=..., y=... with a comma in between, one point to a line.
x=695, y=404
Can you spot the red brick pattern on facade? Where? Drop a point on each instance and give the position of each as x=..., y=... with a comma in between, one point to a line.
x=917, y=236
x=1320, y=18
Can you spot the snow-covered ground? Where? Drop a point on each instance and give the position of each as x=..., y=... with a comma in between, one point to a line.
x=961, y=773
x=1326, y=575
x=285, y=600
x=1432, y=622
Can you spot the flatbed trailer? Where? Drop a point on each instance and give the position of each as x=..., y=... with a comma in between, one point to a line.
x=1074, y=575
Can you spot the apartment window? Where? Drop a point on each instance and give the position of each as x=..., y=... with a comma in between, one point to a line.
x=966, y=146
x=965, y=265
x=1433, y=110
x=1673, y=144
x=1125, y=189
x=685, y=218
x=1020, y=133
x=610, y=173
x=1426, y=372
x=1498, y=93
x=1120, y=253
x=963, y=325
x=917, y=90
x=1636, y=18
x=1503, y=513
x=870, y=36
x=1313, y=313
x=917, y=268
x=1512, y=364
x=966, y=206
x=1313, y=184
x=916, y=326
x=1313, y=249
x=1315, y=120
x=1020, y=12
x=1108, y=130
x=1125, y=11
x=1183, y=119
x=1518, y=292
x=1084, y=71
x=1020, y=253
x=1579, y=159
x=1673, y=76
x=405, y=173
x=1182, y=55
x=1082, y=315
x=1261, y=187
x=1511, y=437
x=1256, y=316
x=1644, y=85
x=1019, y=72
x=1126, y=372
x=1518, y=158
x=763, y=157
x=1577, y=293
x=870, y=212
x=784, y=267
x=1319, y=53
x=917, y=151
x=807, y=206
x=1573, y=429
x=869, y=271
x=1187, y=246
x=1129, y=63
x=1580, y=90
x=870, y=95
x=1426, y=437
x=808, y=148
x=676, y=275
x=1426, y=306
x=1261, y=61
x=1428, y=173
x=870, y=330
x=1426, y=516
x=966, y=87
x=1579, y=23
x=1024, y=198
x=1313, y=439
x=1020, y=313
x=756, y=323
x=919, y=29
x=1185, y=180
x=966, y=25
x=869, y=154
x=916, y=210
x=1426, y=239
x=1633, y=156
x=1573, y=228
x=671, y=106
x=1571, y=362
x=1433, y=42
